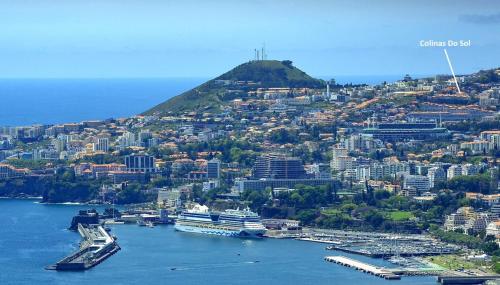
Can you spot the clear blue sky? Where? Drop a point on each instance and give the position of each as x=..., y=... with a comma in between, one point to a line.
x=187, y=38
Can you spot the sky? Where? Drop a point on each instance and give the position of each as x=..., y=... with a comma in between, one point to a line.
x=204, y=38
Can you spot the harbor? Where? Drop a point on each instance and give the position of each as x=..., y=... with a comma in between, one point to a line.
x=165, y=248
x=400, y=255
x=97, y=245
x=409, y=255
x=405, y=252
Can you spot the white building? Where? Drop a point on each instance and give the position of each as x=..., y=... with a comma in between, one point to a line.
x=341, y=160
x=342, y=163
x=493, y=229
x=420, y=183
x=389, y=168
x=477, y=147
x=435, y=175
x=169, y=198
x=210, y=184
x=454, y=221
x=363, y=173
x=453, y=171
x=478, y=223
x=470, y=169
x=101, y=144
x=126, y=139
x=494, y=142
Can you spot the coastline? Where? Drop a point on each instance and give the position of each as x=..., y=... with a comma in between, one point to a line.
x=148, y=254
x=22, y=197
x=41, y=202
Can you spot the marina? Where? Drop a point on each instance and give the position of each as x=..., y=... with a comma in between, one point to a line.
x=379, y=245
x=382, y=250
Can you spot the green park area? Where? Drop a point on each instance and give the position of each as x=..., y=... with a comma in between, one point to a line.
x=457, y=262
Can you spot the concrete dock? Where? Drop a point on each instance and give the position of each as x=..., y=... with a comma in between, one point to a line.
x=364, y=267
x=319, y=240
x=96, y=246
x=466, y=279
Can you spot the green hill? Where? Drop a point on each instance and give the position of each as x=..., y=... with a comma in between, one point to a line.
x=233, y=84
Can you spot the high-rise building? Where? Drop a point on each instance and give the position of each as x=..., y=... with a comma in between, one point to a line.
x=340, y=159
x=59, y=144
x=152, y=142
x=213, y=169
x=436, y=175
x=143, y=137
x=278, y=167
x=140, y=163
x=127, y=139
x=101, y=144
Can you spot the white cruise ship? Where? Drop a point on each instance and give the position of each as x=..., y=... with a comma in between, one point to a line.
x=234, y=223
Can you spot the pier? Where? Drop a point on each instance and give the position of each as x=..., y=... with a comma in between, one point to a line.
x=319, y=240
x=96, y=246
x=466, y=279
x=364, y=267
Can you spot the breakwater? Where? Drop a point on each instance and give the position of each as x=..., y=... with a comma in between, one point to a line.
x=96, y=246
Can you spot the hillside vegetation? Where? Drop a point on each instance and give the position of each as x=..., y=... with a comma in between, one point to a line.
x=210, y=95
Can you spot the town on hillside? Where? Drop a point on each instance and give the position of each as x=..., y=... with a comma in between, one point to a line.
x=409, y=157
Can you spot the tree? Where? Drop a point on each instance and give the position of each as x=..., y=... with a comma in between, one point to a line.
x=256, y=198
x=489, y=247
x=330, y=197
x=68, y=176
x=307, y=217
x=131, y=194
x=283, y=136
x=288, y=63
x=374, y=218
x=382, y=194
x=472, y=183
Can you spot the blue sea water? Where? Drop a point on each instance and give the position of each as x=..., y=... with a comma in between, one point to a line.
x=34, y=235
x=365, y=79
x=50, y=101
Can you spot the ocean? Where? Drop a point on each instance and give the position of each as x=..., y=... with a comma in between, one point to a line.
x=51, y=101
x=34, y=235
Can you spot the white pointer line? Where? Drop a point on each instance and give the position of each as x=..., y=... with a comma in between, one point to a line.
x=452, y=72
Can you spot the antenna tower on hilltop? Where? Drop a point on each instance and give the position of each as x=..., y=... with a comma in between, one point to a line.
x=260, y=54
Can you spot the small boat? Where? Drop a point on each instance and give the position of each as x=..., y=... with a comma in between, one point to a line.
x=141, y=223
x=150, y=224
x=113, y=222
